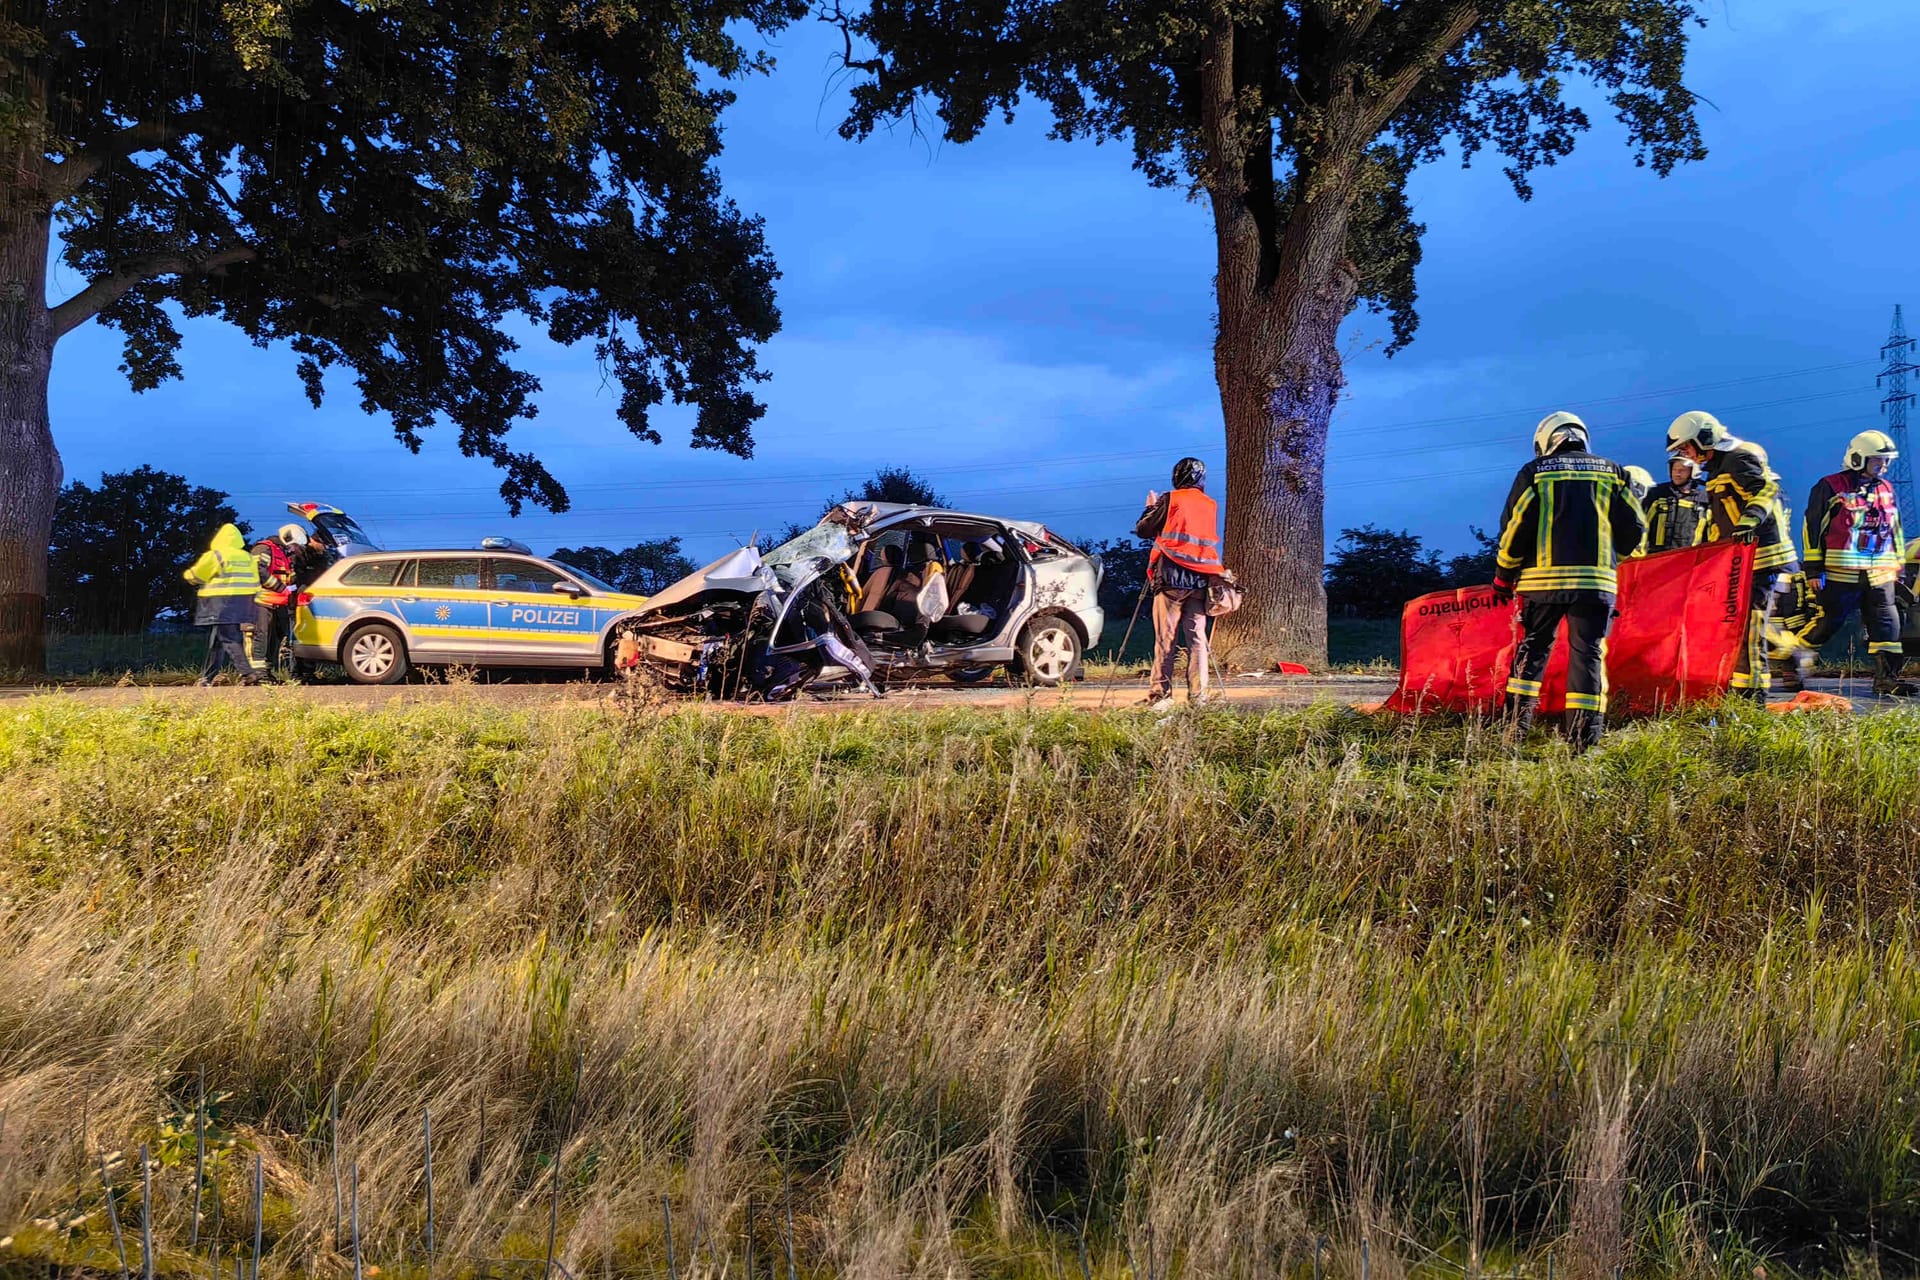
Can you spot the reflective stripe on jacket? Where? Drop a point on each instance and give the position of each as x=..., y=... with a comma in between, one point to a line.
x=1852, y=529
x=275, y=569
x=1569, y=520
x=227, y=578
x=1674, y=516
x=1741, y=493
x=1191, y=536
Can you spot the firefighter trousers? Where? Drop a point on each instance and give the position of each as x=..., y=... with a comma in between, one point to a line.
x=1878, y=608
x=1750, y=668
x=1587, y=623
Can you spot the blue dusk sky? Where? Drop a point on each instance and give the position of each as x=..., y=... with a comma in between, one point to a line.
x=1029, y=325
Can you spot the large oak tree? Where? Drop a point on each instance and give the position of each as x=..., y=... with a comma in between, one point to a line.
x=382, y=185
x=1299, y=121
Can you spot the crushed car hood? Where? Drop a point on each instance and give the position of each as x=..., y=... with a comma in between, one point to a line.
x=737, y=571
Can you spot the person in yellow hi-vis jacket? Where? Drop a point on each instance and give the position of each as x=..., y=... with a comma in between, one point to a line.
x=227, y=578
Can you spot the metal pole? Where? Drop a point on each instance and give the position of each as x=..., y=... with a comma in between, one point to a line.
x=358, y=1273
x=666, y=1214
x=1124, y=642
x=199, y=1157
x=259, y=1208
x=793, y=1272
x=426, y=1137
x=333, y=1156
x=146, y=1215
x=113, y=1218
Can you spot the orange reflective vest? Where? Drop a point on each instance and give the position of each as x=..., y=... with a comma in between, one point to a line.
x=1191, y=538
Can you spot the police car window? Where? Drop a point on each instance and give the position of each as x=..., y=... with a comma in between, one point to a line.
x=370, y=573
x=524, y=575
x=458, y=574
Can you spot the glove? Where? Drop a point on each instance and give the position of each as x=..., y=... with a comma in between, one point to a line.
x=1502, y=591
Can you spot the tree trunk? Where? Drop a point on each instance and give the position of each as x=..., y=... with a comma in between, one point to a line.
x=1277, y=360
x=30, y=472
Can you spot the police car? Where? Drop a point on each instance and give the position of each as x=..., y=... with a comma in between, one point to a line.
x=380, y=613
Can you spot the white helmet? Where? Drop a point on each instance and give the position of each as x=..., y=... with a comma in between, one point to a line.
x=1555, y=430
x=292, y=535
x=1870, y=444
x=1700, y=429
x=1639, y=479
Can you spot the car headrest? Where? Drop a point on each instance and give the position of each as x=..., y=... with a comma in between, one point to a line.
x=971, y=552
x=892, y=556
x=921, y=548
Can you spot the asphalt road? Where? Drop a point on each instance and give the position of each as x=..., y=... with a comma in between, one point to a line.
x=1251, y=693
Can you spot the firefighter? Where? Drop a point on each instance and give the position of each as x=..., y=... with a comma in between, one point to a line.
x=227, y=579
x=1792, y=609
x=1741, y=504
x=1569, y=520
x=1640, y=481
x=1184, y=526
x=1674, y=509
x=271, y=557
x=1854, y=550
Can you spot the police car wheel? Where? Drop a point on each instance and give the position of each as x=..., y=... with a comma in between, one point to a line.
x=375, y=655
x=1049, y=651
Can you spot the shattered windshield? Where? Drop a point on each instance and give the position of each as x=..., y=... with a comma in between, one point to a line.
x=827, y=543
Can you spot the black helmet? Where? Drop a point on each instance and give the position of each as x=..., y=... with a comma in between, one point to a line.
x=1189, y=473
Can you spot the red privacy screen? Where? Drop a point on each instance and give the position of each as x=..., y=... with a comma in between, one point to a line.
x=1682, y=619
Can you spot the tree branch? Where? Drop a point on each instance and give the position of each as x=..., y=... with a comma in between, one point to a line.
x=69, y=175
x=1457, y=22
x=104, y=292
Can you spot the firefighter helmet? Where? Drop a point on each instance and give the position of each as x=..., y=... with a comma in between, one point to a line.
x=1639, y=479
x=1870, y=444
x=1189, y=473
x=1700, y=429
x=292, y=535
x=1555, y=430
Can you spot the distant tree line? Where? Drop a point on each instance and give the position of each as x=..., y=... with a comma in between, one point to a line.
x=1374, y=571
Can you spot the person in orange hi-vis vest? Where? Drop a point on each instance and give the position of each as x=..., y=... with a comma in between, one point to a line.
x=1184, y=527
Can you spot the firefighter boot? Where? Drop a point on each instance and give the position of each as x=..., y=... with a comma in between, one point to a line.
x=1886, y=677
x=1794, y=670
x=1583, y=729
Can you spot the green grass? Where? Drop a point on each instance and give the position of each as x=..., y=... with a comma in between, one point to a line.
x=971, y=983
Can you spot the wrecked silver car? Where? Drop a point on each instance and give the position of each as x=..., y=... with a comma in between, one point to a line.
x=875, y=591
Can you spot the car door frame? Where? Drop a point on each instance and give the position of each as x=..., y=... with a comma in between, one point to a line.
x=443, y=640
x=581, y=643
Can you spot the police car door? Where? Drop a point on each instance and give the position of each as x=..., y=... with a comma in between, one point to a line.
x=529, y=618
x=444, y=608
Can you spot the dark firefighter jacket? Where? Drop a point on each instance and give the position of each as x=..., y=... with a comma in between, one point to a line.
x=1675, y=514
x=1741, y=494
x=1569, y=521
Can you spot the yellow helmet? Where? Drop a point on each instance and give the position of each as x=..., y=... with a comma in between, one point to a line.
x=1700, y=429
x=1639, y=479
x=1555, y=430
x=1870, y=444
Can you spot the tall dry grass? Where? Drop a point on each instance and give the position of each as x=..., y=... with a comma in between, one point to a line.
x=964, y=989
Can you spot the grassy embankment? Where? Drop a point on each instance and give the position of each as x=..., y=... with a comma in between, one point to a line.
x=968, y=985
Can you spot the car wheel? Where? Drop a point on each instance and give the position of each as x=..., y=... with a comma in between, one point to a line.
x=1049, y=651
x=375, y=655
x=969, y=675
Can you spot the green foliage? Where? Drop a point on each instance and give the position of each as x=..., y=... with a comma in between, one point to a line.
x=118, y=549
x=644, y=568
x=1285, y=110
x=386, y=186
